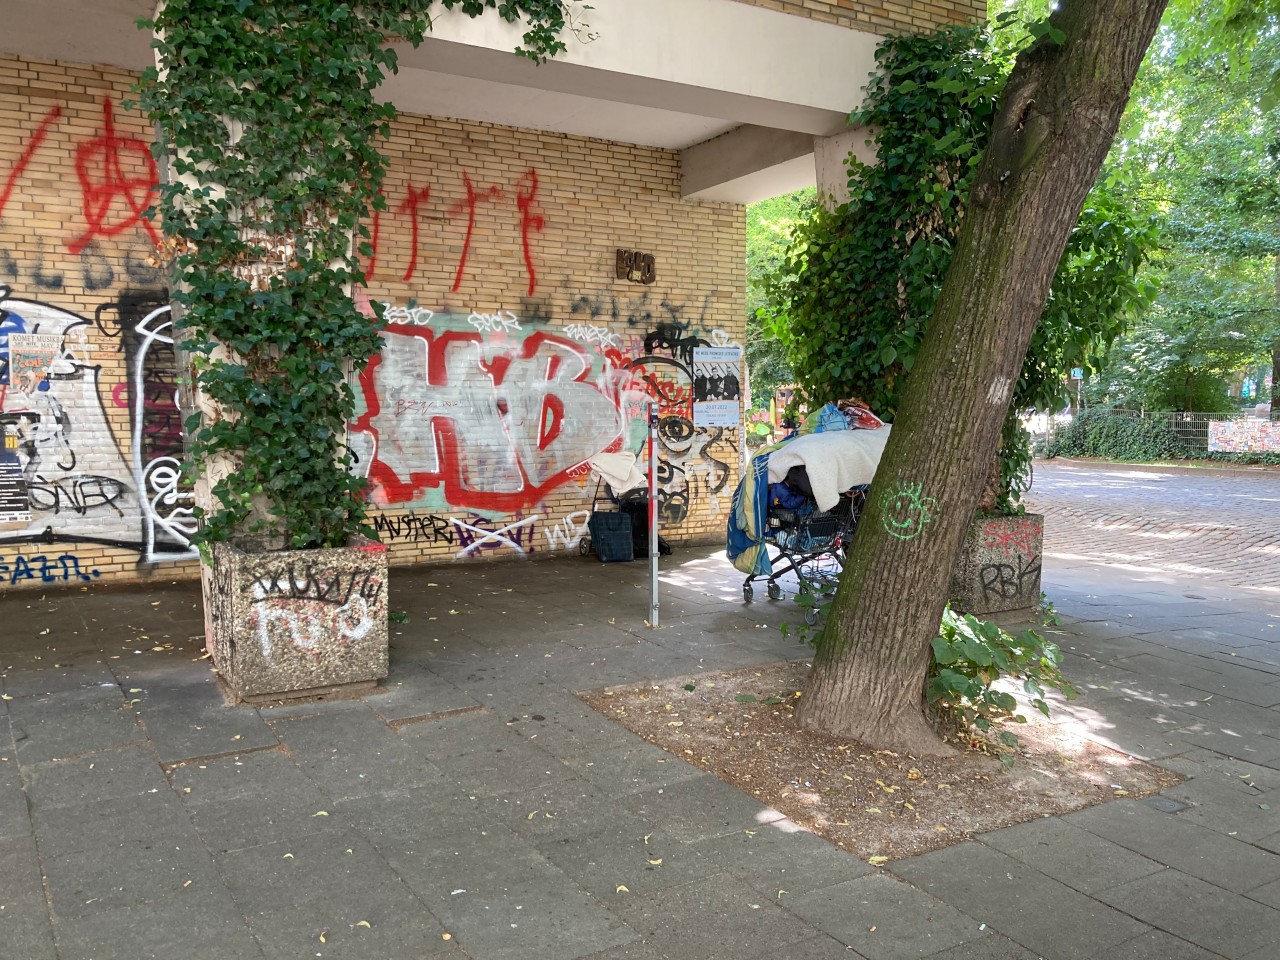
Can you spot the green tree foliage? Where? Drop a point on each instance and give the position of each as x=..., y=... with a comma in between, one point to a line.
x=770, y=225
x=270, y=126
x=1201, y=153
x=854, y=296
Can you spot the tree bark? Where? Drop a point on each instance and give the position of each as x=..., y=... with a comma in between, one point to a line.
x=1061, y=109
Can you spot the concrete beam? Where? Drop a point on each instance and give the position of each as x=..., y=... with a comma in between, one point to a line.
x=738, y=165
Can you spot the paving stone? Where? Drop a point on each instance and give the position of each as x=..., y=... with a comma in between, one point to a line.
x=1188, y=847
x=351, y=752
x=781, y=856
x=25, y=931
x=1081, y=860
x=1200, y=912
x=31, y=681
x=125, y=772
x=1228, y=805
x=414, y=691
x=20, y=877
x=365, y=923
x=274, y=876
x=117, y=853
x=1268, y=893
x=990, y=947
x=883, y=918
x=72, y=723
x=1155, y=945
x=1029, y=908
x=14, y=818
x=716, y=918
x=699, y=808
x=200, y=924
x=181, y=733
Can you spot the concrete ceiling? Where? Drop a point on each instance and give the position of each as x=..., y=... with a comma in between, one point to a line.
x=664, y=73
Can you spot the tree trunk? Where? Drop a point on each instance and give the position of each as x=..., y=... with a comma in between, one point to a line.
x=1061, y=108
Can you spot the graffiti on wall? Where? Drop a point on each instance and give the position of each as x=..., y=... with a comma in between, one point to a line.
x=64, y=475
x=477, y=412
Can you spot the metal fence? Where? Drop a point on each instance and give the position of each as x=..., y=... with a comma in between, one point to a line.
x=1191, y=430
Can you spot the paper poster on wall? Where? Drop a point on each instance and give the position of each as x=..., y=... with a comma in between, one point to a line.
x=717, y=373
x=32, y=358
x=717, y=386
x=14, y=505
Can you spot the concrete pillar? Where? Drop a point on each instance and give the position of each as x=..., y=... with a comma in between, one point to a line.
x=831, y=157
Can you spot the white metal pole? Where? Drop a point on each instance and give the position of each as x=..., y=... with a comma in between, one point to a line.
x=653, y=513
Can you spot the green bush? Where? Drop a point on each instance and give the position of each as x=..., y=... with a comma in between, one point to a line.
x=1104, y=434
x=970, y=655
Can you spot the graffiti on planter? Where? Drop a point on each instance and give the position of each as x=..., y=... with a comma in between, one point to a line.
x=305, y=607
x=1019, y=578
x=1012, y=535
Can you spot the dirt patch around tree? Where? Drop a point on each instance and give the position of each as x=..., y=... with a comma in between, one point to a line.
x=878, y=804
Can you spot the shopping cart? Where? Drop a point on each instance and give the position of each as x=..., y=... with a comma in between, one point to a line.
x=809, y=543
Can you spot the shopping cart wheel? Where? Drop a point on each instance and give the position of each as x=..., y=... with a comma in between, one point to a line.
x=775, y=592
x=584, y=546
x=747, y=592
x=811, y=616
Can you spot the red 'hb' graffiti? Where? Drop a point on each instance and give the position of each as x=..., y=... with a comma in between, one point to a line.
x=415, y=204
x=497, y=426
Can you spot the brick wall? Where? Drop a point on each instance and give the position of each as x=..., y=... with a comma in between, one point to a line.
x=882, y=16
x=514, y=354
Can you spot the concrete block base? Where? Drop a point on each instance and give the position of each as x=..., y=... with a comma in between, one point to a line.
x=998, y=568
x=295, y=622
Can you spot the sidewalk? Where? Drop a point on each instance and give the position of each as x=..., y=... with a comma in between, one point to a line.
x=475, y=797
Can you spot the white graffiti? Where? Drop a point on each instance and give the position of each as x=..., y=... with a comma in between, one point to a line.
x=591, y=333
x=410, y=316
x=568, y=533
x=308, y=625
x=503, y=536
x=504, y=321
x=721, y=339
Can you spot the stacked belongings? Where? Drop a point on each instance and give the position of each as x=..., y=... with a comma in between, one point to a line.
x=801, y=499
x=621, y=534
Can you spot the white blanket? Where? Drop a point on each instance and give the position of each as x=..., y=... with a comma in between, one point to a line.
x=835, y=461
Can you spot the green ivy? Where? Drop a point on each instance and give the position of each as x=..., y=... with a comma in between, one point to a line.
x=270, y=129
x=854, y=296
x=1107, y=435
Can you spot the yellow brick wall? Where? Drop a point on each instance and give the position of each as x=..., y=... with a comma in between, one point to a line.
x=882, y=16
x=515, y=354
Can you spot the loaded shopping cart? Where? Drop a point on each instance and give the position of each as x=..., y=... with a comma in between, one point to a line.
x=809, y=543
x=796, y=509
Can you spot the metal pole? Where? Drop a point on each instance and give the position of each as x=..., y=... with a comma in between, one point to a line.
x=653, y=513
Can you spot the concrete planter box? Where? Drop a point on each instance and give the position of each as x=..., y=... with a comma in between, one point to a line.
x=998, y=568
x=291, y=623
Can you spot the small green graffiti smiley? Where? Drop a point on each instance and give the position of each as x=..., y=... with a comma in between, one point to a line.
x=907, y=513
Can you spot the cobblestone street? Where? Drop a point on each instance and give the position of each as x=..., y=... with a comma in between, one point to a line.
x=1216, y=527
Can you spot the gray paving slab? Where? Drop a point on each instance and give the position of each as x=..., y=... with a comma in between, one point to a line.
x=182, y=733
x=198, y=925
x=1193, y=849
x=350, y=751
x=14, y=818
x=716, y=918
x=71, y=723
x=699, y=808
x=1082, y=860
x=883, y=918
x=1156, y=945
x=1015, y=900
x=26, y=933
x=127, y=771
x=1199, y=912
x=1235, y=806
x=991, y=947
x=781, y=860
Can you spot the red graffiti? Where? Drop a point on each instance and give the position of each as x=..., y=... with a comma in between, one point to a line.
x=28, y=152
x=496, y=434
x=100, y=167
x=529, y=221
x=410, y=206
x=1011, y=535
x=493, y=194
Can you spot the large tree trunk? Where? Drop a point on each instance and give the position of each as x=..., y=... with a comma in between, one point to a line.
x=1061, y=108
